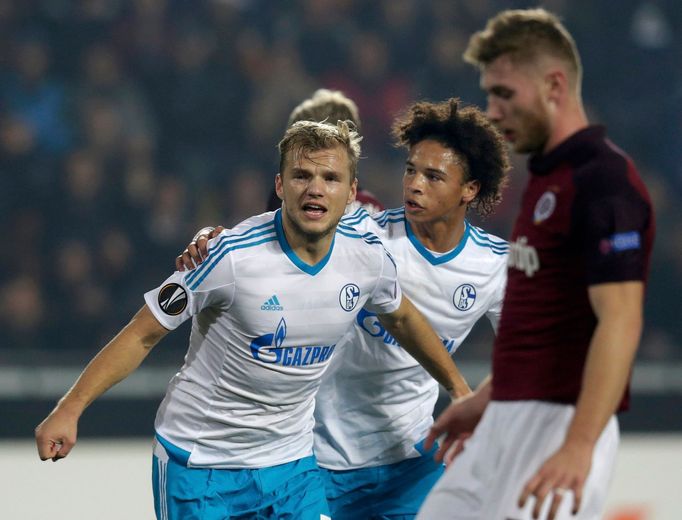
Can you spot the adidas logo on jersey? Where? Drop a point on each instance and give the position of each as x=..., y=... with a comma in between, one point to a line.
x=272, y=304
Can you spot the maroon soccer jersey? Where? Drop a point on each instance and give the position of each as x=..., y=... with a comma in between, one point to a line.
x=585, y=219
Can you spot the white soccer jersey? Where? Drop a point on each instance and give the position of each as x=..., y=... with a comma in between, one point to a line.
x=376, y=402
x=264, y=328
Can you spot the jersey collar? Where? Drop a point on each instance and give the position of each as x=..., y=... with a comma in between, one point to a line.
x=428, y=255
x=282, y=239
x=575, y=150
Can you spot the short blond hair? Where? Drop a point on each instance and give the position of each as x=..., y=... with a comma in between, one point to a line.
x=309, y=136
x=326, y=105
x=524, y=35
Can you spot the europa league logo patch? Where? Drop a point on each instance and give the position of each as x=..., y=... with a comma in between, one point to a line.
x=172, y=299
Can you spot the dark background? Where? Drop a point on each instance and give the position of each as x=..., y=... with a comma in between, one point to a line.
x=127, y=125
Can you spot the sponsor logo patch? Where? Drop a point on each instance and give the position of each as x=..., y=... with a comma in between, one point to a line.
x=369, y=322
x=618, y=242
x=172, y=299
x=270, y=349
x=523, y=257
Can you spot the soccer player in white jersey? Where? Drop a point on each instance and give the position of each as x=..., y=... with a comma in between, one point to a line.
x=275, y=295
x=375, y=404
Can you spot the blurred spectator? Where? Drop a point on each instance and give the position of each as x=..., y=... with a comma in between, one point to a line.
x=272, y=99
x=379, y=87
x=444, y=72
x=201, y=105
x=29, y=94
x=126, y=125
x=22, y=314
x=102, y=77
x=323, y=32
x=25, y=173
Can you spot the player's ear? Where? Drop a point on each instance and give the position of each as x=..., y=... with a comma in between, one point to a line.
x=278, y=186
x=556, y=84
x=353, y=191
x=470, y=191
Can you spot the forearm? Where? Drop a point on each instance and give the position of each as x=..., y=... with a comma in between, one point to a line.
x=607, y=370
x=416, y=336
x=118, y=359
x=485, y=388
x=605, y=377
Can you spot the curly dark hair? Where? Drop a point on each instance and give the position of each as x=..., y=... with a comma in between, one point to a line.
x=470, y=135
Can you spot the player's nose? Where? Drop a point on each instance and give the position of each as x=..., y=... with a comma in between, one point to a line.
x=493, y=111
x=316, y=186
x=415, y=183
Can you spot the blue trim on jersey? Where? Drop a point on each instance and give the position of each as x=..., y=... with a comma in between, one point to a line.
x=481, y=238
x=244, y=234
x=356, y=217
x=225, y=241
x=351, y=232
x=428, y=255
x=479, y=233
x=347, y=228
x=382, y=218
x=220, y=257
x=306, y=268
x=178, y=454
x=347, y=233
x=390, y=215
x=493, y=249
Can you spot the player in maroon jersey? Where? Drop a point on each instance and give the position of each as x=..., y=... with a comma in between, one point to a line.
x=572, y=315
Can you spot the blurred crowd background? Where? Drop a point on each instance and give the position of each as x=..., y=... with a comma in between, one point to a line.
x=127, y=125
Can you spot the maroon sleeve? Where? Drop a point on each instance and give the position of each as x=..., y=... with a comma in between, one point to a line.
x=369, y=201
x=614, y=222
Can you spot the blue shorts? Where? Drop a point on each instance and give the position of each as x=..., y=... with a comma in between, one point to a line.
x=394, y=491
x=293, y=490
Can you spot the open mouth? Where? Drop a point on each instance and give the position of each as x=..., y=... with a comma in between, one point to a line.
x=314, y=210
x=509, y=135
x=412, y=205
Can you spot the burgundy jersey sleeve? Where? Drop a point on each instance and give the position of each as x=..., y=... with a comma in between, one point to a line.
x=368, y=201
x=614, y=222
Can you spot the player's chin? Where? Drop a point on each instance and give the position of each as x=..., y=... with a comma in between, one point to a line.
x=325, y=228
x=417, y=215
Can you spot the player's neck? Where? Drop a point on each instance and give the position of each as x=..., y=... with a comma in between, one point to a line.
x=310, y=249
x=313, y=252
x=440, y=236
x=571, y=120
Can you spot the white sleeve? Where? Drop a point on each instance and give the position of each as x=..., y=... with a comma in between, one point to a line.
x=185, y=294
x=363, y=222
x=387, y=293
x=500, y=281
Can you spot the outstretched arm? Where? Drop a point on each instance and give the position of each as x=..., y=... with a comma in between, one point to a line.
x=415, y=335
x=458, y=421
x=56, y=435
x=618, y=307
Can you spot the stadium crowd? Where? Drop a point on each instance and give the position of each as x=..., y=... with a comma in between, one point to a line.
x=127, y=125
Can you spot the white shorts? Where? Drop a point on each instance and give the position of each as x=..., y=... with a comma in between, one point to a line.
x=512, y=441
